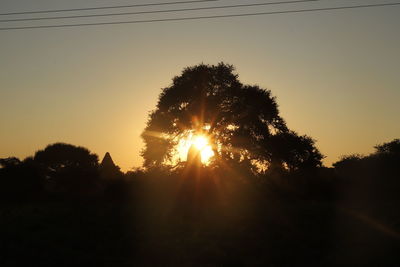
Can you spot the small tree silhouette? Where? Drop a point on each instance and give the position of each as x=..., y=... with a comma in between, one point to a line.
x=68, y=169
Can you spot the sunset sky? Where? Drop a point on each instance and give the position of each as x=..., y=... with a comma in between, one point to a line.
x=335, y=74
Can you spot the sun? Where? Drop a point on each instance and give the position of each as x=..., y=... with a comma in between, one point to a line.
x=201, y=143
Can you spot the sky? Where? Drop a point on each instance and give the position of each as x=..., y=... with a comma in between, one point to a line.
x=335, y=74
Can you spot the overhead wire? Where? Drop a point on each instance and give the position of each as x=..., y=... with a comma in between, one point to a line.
x=160, y=11
x=105, y=7
x=202, y=17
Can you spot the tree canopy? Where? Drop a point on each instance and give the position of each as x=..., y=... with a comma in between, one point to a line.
x=392, y=148
x=68, y=168
x=241, y=121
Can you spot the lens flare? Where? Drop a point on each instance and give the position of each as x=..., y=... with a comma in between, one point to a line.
x=201, y=143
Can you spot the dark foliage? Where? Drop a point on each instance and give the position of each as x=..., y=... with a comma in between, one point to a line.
x=374, y=177
x=189, y=219
x=209, y=216
x=391, y=148
x=68, y=169
x=20, y=181
x=294, y=151
x=242, y=122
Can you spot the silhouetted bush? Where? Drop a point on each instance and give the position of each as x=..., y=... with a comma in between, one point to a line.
x=20, y=181
x=371, y=178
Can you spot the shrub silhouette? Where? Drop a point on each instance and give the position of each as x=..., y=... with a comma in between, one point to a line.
x=20, y=180
x=373, y=177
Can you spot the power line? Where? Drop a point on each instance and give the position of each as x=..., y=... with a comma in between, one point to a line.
x=201, y=17
x=160, y=11
x=105, y=7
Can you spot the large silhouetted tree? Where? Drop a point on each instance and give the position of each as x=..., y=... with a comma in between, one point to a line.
x=242, y=122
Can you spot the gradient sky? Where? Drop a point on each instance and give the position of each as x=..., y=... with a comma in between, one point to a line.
x=336, y=74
